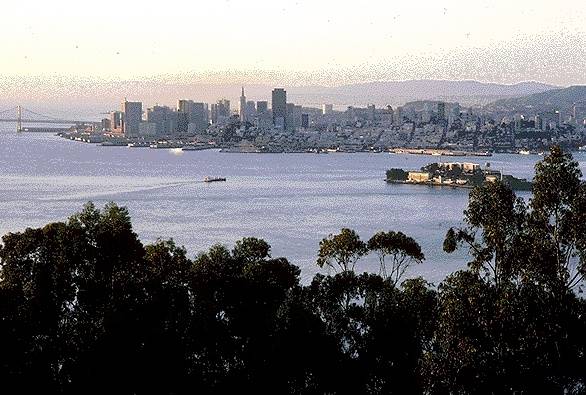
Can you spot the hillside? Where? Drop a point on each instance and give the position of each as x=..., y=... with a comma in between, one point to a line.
x=467, y=93
x=91, y=98
x=558, y=99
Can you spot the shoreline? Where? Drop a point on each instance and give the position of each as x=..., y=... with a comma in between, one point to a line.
x=431, y=184
x=192, y=146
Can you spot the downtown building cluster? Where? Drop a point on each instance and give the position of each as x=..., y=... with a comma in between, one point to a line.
x=189, y=118
x=280, y=126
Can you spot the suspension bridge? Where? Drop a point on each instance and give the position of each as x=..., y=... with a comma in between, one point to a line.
x=22, y=116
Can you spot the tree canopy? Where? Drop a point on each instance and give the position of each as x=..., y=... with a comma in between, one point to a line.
x=85, y=307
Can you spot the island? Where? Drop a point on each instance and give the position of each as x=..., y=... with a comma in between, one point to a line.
x=455, y=174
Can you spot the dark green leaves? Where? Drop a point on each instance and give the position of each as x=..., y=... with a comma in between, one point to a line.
x=341, y=251
x=402, y=250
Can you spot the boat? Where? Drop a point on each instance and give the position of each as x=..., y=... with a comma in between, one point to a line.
x=139, y=144
x=213, y=179
x=114, y=143
x=193, y=147
x=165, y=145
x=524, y=152
x=582, y=148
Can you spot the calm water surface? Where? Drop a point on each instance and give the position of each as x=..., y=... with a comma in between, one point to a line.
x=291, y=200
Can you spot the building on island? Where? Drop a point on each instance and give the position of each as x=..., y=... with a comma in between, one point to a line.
x=418, y=176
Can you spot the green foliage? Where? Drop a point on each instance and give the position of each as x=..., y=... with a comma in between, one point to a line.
x=559, y=210
x=341, y=251
x=251, y=249
x=495, y=219
x=397, y=175
x=86, y=308
x=403, y=251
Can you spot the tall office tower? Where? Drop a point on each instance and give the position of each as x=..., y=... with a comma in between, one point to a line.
x=250, y=110
x=220, y=111
x=293, y=118
x=327, y=109
x=279, y=105
x=132, y=118
x=242, y=109
x=371, y=112
x=262, y=107
x=441, y=111
x=184, y=108
x=224, y=108
x=116, y=121
x=538, y=122
x=398, y=117
x=105, y=124
x=159, y=116
x=199, y=117
x=214, y=113
x=192, y=116
x=579, y=113
x=305, y=121
x=518, y=121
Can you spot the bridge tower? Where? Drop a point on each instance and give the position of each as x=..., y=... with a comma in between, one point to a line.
x=19, y=119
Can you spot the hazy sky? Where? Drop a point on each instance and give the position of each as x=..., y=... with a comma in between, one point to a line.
x=327, y=42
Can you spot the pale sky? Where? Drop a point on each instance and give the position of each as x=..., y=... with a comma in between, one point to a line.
x=325, y=41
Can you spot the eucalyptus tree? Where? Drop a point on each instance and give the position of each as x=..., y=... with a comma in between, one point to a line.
x=402, y=249
x=558, y=220
x=341, y=251
x=495, y=221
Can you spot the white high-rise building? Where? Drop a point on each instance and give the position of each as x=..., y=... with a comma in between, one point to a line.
x=242, y=107
x=132, y=118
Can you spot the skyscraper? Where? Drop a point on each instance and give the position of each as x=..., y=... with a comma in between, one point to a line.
x=220, y=111
x=250, y=110
x=441, y=111
x=192, y=116
x=159, y=116
x=132, y=118
x=116, y=121
x=398, y=116
x=184, y=107
x=305, y=121
x=242, y=109
x=262, y=107
x=279, y=105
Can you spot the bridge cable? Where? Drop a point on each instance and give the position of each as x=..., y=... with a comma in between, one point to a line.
x=8, y=110
x=41, y=115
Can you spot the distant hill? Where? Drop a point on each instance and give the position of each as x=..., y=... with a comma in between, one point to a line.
x=467, y=93
x=93, y=98
x=558, y=99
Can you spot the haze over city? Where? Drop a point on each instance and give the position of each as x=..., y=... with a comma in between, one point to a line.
x=72, y=53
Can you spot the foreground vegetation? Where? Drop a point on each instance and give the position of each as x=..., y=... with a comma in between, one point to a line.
x=86, y=308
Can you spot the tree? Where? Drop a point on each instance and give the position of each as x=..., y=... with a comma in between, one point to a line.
x=236, y=299
x=165, y=311
x=341, y=251
x=509, y=324
x=496, y=220
x=36, y=291
x=403, y=250
x=251, y=249
x=558, y=219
